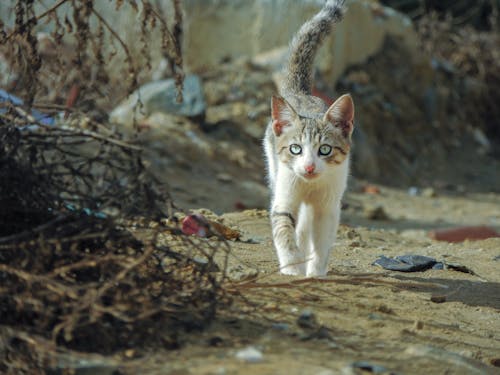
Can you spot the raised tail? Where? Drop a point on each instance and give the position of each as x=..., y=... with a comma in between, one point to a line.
x=298, y=73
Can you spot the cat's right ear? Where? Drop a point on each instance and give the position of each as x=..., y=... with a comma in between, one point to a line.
x=282, y=114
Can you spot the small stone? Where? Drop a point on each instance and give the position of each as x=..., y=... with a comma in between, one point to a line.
x=307, y=319
x=438, y=298
x=250, y=354
x=429, y=193
x=224, y=177
x=376, y=213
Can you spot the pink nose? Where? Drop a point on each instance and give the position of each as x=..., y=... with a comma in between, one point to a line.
x=310, y=168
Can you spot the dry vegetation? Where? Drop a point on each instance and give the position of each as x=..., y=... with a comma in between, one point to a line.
x=74, y=276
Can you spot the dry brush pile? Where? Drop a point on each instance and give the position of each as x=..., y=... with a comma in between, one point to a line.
x=82, y=266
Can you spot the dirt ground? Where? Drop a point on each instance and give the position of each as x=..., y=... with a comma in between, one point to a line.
x=360, y=318
x=436, y=321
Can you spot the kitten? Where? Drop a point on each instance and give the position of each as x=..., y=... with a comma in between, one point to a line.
x=307, y=148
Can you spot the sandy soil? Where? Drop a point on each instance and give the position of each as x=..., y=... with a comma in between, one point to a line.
x=359, y=316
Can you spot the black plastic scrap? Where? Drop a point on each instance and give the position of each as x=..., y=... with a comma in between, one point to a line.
x=408, y=263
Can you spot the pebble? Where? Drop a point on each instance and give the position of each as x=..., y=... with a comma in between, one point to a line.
x=376, y=213
x=224, y=177
x=307, y=319
x=250, y=354
x=438, y=298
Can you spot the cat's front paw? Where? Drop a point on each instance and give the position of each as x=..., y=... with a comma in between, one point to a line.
x=293, y=270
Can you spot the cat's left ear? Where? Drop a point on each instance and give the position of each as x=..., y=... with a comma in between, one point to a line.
x=282, y=114
x=341, y=114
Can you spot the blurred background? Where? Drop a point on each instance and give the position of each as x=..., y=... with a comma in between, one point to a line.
x=425, y=77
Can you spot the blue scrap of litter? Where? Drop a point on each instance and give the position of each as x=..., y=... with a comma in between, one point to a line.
x=40, y=117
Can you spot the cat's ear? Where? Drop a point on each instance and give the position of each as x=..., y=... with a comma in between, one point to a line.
x=282, y=114
x=341, y=114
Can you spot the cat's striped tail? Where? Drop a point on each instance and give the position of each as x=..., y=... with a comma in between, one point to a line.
x=303, y=48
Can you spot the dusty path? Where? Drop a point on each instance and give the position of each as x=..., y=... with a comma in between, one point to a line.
x=435, y=322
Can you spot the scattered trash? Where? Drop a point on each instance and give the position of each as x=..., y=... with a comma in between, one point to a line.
x=416, y=263
x=407, y=263
x=463, y=233
x=250, y=354
x=200, y=226
x=37, y=116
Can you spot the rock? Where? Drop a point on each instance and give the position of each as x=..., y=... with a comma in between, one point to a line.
x=463, y=233
x=438, y=298
x=376, y=213
x=241, y=273
x=307, y=319
x=224, y=177
x=250, y=354
x=161, y=96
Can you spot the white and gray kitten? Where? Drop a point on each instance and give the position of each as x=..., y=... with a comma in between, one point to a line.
x=307, y=148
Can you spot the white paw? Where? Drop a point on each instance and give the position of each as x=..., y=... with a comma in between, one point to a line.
x=319, y=273
x=293, y=270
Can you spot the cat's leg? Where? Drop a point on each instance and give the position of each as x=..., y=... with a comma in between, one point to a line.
x=284, y=213
x=325, y=225
x=303, y=231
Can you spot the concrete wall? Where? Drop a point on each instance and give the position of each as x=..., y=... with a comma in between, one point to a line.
x=219, y=29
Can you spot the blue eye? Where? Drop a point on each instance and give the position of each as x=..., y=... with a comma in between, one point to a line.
x=295, y=149
x=325, y=150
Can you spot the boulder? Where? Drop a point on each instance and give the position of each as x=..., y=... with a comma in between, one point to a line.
x=161, y=96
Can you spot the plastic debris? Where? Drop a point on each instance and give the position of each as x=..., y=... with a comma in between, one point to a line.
x=408, y=263
x=37, y=116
